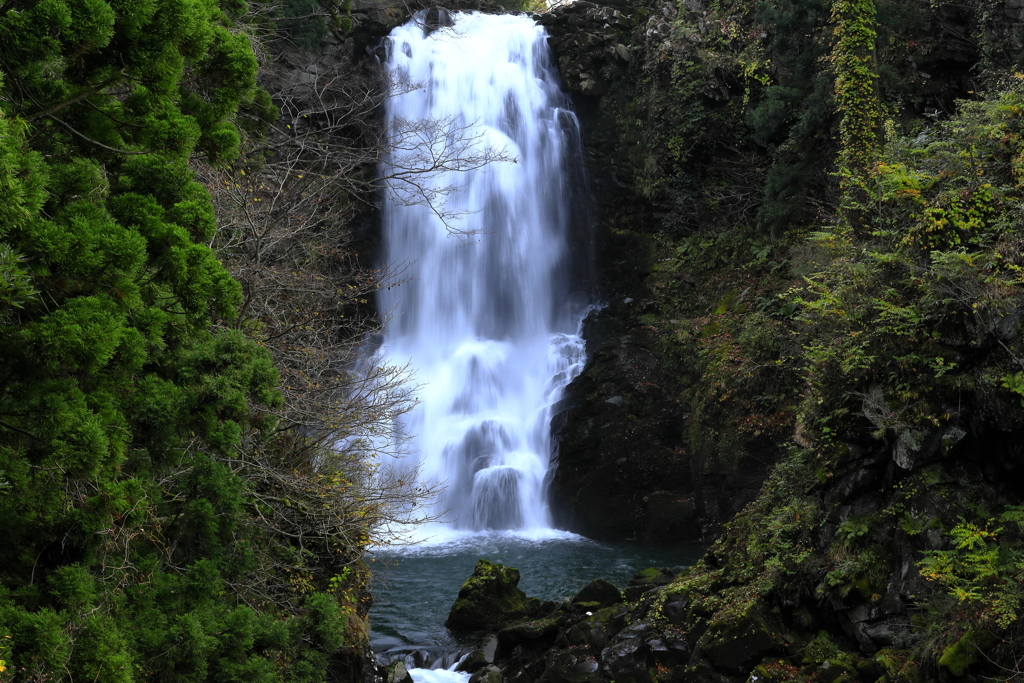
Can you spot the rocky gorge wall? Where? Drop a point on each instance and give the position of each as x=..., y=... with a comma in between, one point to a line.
x=853, y=487
x=641, y=454
x=850, y=562
x=623, y=469
x=880, y=546
x=644, y=452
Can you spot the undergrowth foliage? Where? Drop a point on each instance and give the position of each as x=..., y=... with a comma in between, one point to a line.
x=875, y=344
x=910, y=346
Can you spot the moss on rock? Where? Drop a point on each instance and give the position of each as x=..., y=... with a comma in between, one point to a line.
x=600, y=593
x=490, y=599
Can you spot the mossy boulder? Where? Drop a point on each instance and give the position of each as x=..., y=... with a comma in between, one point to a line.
x=964, y=652
x=740, y=635
x=598, y=630
x=600, y=593
x=535, y=631
x=398, y=673
x=646, y=579
x=654, y=576
x=490, y=600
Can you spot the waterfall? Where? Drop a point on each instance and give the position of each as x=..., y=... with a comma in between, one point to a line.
x=493, y=244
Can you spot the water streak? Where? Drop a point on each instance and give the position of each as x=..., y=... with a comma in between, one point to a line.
x=489, y=318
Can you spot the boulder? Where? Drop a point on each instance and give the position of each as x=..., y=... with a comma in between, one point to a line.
x=488, y=674
x=574, y=665
x=628, y=657
x=398, y=673
x=656, y=576
x=480, y=657
x=597, y=630
x=490, y=599
x=645, y=580
x=599, y=593
x=674, y=610
x=539, y=631
x=740, y=637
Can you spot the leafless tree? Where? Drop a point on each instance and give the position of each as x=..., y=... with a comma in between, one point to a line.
x=331, y=128
x=322, y=481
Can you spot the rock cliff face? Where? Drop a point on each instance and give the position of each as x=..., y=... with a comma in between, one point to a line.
x=635, y=459
x=625, y=469
x=692, y=413
x=840, y=566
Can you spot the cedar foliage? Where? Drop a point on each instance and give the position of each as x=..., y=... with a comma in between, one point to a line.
x=141, y=463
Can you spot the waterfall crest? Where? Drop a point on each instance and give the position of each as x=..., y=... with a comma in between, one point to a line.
x=489, y=316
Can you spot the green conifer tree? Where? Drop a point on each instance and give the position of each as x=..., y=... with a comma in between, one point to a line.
x=124, y=544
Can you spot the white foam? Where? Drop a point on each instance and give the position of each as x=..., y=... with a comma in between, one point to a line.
x=438, y=540
x=438, y=676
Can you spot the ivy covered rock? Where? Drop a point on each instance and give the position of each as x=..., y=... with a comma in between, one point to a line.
x=646, y=579
x=738, y=638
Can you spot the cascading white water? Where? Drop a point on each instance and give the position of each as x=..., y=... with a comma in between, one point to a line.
x=487, y=319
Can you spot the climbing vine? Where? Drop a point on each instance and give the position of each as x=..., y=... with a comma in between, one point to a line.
x=856, y=89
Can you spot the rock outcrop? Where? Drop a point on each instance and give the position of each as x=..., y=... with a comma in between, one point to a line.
x=820, y=578
x=490, y=599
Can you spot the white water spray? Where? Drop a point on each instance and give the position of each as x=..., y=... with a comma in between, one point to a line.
x=488, y=320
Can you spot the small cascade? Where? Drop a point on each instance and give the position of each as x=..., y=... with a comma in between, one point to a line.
x=493, y=244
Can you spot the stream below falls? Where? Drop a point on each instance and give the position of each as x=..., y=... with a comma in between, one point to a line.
x=414, y=587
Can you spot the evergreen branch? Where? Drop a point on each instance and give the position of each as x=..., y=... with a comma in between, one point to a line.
x=20, y=430
x=77, y=98
x=95, y=142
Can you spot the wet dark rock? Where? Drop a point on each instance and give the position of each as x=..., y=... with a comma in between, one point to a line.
x=598, y=629
x=857, y=481
x=436, y=18
x=599, y=593
x=480, y=657
x=675, y=611
x=397, y=673
x=488, y=674
x=628, y=657
x=591, y=86
x=539, y=631
x=611, y=454
x=670, y=652
x=573, y=665
x=883, y=633
x=524, y=665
